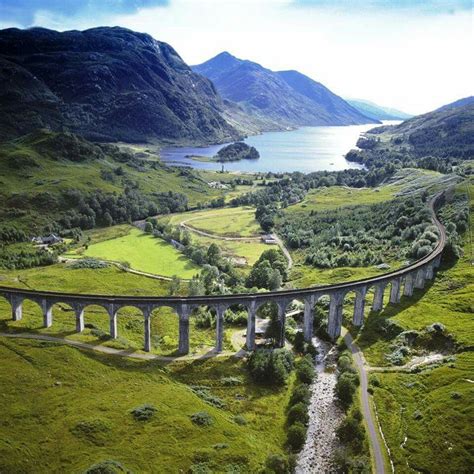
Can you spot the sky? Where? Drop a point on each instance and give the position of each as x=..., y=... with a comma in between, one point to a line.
x=414, y=55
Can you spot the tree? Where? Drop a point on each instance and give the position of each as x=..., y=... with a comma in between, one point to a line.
x=298, y=413
x=296, y=436
x=213, y=254
x=148, y=227
x=175, y=285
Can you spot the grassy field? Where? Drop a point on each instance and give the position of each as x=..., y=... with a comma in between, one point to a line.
x=142, y=251
x=226, y=222
x=164, y=323
x=85, y=400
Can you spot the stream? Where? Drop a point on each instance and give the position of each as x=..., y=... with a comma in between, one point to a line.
x=324, y=415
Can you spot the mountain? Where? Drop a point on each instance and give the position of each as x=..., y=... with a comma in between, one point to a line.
x=448, y=131
x=457, y=103
x=107, y=84
x=282, y=99
x=437, y=140
x=377, y=111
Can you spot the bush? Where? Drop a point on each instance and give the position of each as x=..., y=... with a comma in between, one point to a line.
x=301, y=394
x=276, y=463
x=240, y=420
x=207, y=396
x=296, y=436
x=107, y=467
x=144, y=412
x=202, y=418
x=345, y=388
x=298, y=413
x=271, y=366
x=231, y=381
x=305, y=370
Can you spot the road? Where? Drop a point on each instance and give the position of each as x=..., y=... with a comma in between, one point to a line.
x=374, y=441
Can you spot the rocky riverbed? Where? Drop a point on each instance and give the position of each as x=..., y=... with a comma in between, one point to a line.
x=324, y=415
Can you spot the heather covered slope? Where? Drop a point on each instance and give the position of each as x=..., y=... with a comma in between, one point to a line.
x=106, y=84
x=283, y=99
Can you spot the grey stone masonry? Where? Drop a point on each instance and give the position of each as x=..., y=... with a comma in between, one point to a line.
x=377, y=304
x=282, y=304
x=184, y=313
x=112, y=321
x=409, y=284
x=17, y=308
x=335, y=315
x=220, y=310
x=147, y=329
x=251, y=320
x=79, y=313
x=420, y=279
x=308, y=318
x=359, y=307
x=47, y=308
x=395, y=290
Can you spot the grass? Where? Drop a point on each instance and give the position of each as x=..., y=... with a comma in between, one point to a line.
x=225, y=222
x=85, y=400
x=143, y=252
x=324, y=199
x=427, y=418
x=164, y=323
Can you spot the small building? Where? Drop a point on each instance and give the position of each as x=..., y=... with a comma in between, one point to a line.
x=269, y=239
x=50, y=239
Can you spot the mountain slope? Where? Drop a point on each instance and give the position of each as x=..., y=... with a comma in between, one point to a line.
x=437, y=140
x=105, y=84
x=377, y=111
x=457, y=103
x=285, y=98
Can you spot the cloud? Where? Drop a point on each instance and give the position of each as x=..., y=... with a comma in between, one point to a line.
x=24, y=12
x=422, y=6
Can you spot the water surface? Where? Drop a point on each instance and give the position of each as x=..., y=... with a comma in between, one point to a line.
x=305, y=149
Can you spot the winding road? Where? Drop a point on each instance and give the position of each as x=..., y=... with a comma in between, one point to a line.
x=359, y=361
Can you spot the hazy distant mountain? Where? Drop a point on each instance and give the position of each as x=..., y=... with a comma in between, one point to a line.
x=377, y=112
x=284, y=99
x=106, y=84
x=458, y=103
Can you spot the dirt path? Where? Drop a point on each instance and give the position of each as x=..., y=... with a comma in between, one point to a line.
x=119, y=352
x=372, y=427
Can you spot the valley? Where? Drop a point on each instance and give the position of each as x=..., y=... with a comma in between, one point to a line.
x=179, y=296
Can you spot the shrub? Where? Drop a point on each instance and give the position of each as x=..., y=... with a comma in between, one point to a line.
x=276, y=463
x=345, y=388
x=207, y=396
x=231, y=381
x=91, y=263
x=202, y=418
x=305, y=370
x=240, y=420
x=96, y=431
x=350, y=430
x=301, y=394
x=296, y=436
x=271, y=366
x=298, y=413
x=107, y=467
x=144, y=412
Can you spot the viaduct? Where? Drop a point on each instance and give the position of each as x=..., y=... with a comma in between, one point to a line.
x=401, y=281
